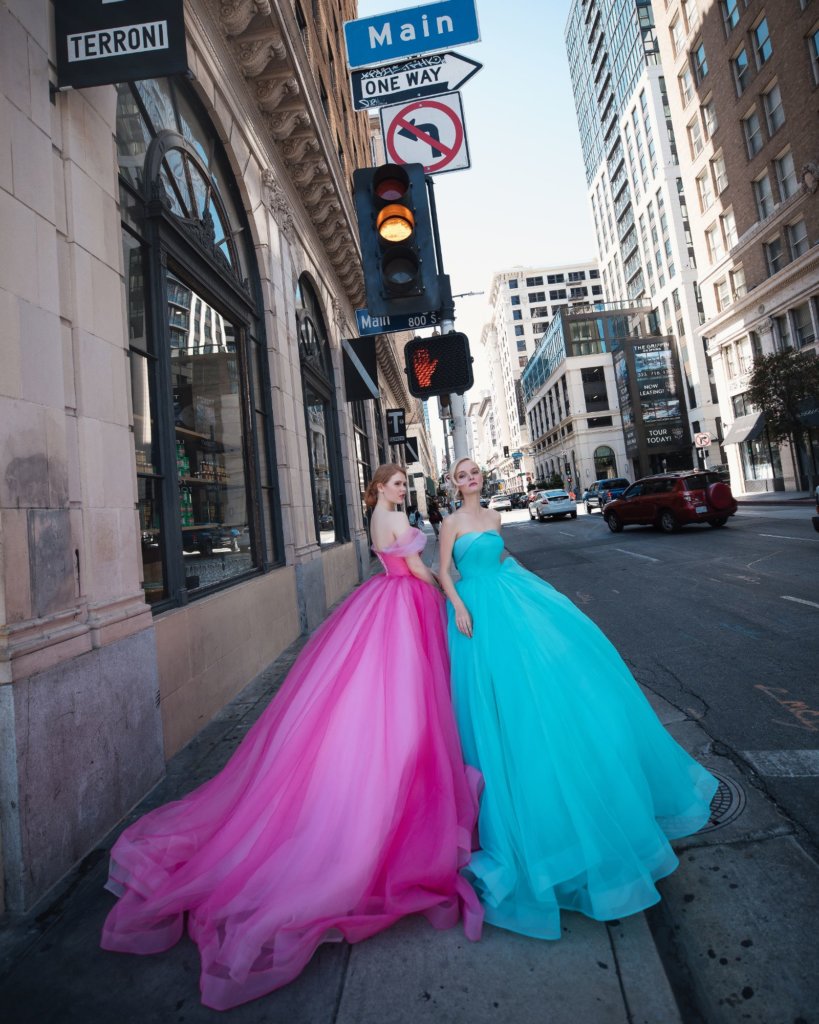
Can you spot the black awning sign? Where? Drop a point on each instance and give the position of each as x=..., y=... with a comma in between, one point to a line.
x=100, y=42
x=396, y=426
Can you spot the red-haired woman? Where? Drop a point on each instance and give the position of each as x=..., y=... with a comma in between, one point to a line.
x=346, y=807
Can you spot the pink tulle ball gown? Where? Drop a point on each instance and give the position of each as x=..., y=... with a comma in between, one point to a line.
x=346, y=807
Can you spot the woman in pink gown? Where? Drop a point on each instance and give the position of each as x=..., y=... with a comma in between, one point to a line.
x=346, y=807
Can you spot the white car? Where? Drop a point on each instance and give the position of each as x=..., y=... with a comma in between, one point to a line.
x=500, y=502
x=552, y=505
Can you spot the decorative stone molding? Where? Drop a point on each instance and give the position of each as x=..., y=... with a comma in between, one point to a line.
x=278, y=204
x=810, y=177
x=257, y=31
x=236, y=15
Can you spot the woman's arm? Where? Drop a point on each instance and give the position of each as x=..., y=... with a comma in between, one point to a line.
x=417, y=567
x=448, y=534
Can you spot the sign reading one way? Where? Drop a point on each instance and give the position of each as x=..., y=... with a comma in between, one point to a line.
x=411, y=79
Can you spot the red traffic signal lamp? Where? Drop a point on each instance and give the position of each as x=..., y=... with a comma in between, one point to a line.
x=397, y=243
x=440, y=365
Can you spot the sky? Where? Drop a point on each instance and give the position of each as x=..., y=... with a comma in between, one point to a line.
x=523, y=200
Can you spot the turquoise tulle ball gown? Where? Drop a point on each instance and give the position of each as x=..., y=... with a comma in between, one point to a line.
x=583, y=787
x=346, y=807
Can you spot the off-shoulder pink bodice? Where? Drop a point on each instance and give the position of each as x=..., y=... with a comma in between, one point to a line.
x=394, y=557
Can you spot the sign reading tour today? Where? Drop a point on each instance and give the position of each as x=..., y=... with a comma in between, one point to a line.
x=100, y=42
x=389, y=37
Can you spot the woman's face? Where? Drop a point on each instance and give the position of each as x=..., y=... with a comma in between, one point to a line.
x=395, y=489
x=468, y=477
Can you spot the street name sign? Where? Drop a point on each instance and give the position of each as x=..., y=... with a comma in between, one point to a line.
x=390, y=37
x=369, y=324
x=411, y=79
x=429, y=132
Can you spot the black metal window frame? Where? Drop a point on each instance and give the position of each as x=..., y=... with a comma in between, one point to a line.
x=185, y=247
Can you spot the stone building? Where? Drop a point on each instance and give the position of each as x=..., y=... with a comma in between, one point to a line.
x=743, y=84
x=181, y=474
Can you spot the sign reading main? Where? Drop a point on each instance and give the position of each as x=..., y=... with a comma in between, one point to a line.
x=411, y=79
x=369, y=324
x=389, y=37
x=100, y=42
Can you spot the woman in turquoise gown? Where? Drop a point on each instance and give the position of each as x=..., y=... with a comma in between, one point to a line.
x=584, y=787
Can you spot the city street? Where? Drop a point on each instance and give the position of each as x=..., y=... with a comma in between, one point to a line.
x=720, y=628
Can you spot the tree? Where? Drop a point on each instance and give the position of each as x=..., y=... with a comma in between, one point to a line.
x=779, y=384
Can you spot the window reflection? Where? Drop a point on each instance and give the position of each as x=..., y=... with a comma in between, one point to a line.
x=209, y=437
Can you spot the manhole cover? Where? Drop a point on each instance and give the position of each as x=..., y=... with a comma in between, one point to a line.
x=728, y=803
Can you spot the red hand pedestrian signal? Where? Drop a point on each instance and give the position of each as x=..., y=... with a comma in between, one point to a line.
x=423, y=367
x=440, y=365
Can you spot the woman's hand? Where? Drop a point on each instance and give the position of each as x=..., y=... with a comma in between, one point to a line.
x=463, y=620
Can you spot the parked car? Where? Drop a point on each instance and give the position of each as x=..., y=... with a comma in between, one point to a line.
x=552, y=505
x=500, y=502
x=602, y=491
x=518, y=499
x=671, y=500
x=816, y=517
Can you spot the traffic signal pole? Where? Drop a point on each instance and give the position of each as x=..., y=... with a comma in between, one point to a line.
x=457, y=403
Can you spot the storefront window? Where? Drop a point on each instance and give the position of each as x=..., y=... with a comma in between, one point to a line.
x=362, y=450
x=605, y=463
x=200, y=403
x=329, y=505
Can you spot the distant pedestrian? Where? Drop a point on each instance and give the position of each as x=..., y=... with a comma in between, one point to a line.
x=415, y=517
x=434, y=515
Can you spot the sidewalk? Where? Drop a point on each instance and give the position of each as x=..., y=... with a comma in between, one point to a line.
x=776, y=498
x=52, y=970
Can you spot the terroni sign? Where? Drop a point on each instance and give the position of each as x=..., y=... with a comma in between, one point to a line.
x=389, y=37
x=100, y=42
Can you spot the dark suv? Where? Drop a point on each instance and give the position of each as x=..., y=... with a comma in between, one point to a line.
x=602, y=491
x=671, y=500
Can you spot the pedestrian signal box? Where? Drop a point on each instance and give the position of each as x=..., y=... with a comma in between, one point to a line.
x=440, y=365
x=397, y=242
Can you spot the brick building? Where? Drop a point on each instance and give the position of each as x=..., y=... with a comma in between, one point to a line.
x=743, y=91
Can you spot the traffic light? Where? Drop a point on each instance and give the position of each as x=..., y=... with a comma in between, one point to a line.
x=397, y=246
x=440, y=365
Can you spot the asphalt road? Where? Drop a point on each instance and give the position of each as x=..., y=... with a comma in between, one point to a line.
x=723, y=624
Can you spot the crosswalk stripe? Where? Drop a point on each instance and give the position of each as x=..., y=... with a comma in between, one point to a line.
x=784, y=764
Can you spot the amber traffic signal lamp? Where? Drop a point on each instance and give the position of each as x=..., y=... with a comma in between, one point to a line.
x=440, y=365
x=397, y=246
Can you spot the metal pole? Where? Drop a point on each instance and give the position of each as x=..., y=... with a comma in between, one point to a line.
x=457, y=403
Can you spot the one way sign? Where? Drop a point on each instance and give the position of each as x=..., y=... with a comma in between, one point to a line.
x=411, y=79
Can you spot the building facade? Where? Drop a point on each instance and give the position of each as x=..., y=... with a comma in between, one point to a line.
x=603, y=396
x=181, y=482
x=639, y=206
x=524, y=301
x=745, y=80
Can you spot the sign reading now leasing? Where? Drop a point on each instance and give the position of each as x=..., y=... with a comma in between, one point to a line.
x=100, y=42
x=389, y=37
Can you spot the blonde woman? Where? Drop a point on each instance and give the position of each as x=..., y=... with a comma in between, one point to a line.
x=583, y=785
x=346, y=807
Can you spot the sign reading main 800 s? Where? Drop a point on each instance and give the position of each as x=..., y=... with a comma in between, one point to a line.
x=388, y=37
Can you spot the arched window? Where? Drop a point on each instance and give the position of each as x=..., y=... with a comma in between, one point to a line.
x=605, y=463
x=321, y=417
x=199, y=377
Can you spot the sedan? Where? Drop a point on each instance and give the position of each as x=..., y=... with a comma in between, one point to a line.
x=552, y=505
x=500, y=502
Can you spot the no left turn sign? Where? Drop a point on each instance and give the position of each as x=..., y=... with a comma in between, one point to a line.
x=429, y=132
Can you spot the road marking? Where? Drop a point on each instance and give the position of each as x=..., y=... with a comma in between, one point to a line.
x=784, y=764
x=799, y=600
x=634, y=554
x=782, y=536
x=566, y=533
x=805, y=716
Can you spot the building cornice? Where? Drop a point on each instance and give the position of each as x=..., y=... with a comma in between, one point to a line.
x=264, y=41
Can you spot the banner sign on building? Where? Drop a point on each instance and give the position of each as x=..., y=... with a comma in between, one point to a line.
x=412, y=450
x=100, y=42
x=396, y=426
x=648, y=390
